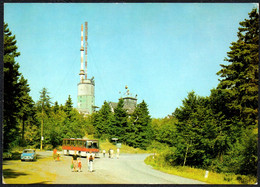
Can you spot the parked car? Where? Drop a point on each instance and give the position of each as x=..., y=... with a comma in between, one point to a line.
x=28, y=154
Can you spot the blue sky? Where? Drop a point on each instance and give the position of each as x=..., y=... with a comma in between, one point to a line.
x=161, y=51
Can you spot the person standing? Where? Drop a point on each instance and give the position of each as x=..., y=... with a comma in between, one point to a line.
x=75, y=162
x=117, y=153
x=104, y=153
x=88, y=155
x=91, y=159
x=109, y=153
x=112, y=153
x=54, y=154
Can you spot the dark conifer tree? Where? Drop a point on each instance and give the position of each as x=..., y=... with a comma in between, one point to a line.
x=120, y=124
x=17, y=101
x=139, y=132
x=240, y=76
x=103, y=121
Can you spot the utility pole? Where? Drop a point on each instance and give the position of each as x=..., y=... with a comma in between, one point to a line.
x=42, y=127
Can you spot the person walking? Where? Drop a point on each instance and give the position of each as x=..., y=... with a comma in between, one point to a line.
x=75, y=162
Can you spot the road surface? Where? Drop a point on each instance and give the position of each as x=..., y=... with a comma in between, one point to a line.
x=128, y=169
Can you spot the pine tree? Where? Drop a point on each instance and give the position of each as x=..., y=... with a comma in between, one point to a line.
x=69, y=107
x=240, y=77
x=44, y=103
x=11, y=88
x=103, y=122
x=26, y=105
x=139, y=130
x=120, y=124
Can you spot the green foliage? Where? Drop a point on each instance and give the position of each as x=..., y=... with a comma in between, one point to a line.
x=11, y=91
x=139, y=132
x=120, y=122
x=102, y=121
x=18, y=105
x=219, y=132
x=68, y=107
x=165, y=130
x=240, y=77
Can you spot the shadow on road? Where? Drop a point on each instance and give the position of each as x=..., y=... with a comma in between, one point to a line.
x=10, y=173
x=43, y=182
x=41, y=156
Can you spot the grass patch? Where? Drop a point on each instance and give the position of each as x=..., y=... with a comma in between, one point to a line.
x=105, y=144
x=199, y=174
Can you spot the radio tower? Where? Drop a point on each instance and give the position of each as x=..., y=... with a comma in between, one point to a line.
x=81, y=55
x=86, y=87
x=86, y=51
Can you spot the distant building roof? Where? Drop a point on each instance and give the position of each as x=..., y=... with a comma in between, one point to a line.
x=129, y=104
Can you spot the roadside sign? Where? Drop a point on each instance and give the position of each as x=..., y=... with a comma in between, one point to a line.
x=118, y=145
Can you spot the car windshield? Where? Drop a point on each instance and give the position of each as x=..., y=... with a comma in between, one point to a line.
x=28, y=151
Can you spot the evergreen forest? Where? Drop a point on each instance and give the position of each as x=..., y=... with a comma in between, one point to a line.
x=218, y=132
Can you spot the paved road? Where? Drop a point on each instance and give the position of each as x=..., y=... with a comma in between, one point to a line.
x=131, y=169
x=128, y=169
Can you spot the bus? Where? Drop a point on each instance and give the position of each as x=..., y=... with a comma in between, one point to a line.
x=81, y=146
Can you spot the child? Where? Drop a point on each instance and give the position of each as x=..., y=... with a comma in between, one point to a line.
x=79, y=164
x=71, y=166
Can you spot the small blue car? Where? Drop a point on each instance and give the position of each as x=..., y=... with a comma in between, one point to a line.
x=28, y=154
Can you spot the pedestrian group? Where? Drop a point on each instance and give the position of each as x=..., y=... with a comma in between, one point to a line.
x=76, y=165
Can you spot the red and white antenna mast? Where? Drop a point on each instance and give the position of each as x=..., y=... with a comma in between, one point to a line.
x=86, y=43
x=81, y=59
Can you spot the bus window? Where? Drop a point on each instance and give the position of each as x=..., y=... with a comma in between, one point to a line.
x=94, y=145
x=84, y=144
x=80, y=143
x=89, y=144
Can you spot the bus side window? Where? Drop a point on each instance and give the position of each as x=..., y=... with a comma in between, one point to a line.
x=80, y=143
x=89, y=144
x=84, y=145
x=94, y=145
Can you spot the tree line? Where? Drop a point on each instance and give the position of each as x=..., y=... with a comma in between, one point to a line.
x=220, y=132
x=132, y=129
x=217, y=132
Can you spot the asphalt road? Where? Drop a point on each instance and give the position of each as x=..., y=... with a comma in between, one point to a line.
x=128, y=169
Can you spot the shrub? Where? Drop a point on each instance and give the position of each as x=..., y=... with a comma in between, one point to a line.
x=7, y=155
x=48, y=147
x=59, y=148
